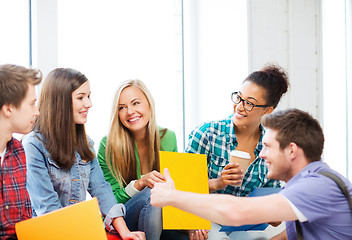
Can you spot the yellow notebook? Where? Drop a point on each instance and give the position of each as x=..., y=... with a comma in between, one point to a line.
x=79, y=221
x=190, y=173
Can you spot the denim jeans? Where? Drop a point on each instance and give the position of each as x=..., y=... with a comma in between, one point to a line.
x=141, y=216
x=174, y=235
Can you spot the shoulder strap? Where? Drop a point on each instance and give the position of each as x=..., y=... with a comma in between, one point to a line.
x=341, y=184
x=344, y=190
x=299, y=231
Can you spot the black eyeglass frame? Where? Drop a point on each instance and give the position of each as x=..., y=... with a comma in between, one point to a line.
x=244, y=100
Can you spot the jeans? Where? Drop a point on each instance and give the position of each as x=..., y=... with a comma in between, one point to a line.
x=141, y=216
x=174, y=235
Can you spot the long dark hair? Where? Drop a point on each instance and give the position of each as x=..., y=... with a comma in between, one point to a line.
x=61, y=136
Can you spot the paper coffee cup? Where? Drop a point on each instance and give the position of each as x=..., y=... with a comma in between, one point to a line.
x=242, y=158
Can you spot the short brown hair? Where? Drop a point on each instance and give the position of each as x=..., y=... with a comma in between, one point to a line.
x=14, y=82
x=294, y=125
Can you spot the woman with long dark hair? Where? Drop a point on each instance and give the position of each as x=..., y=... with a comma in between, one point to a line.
x=61, y=164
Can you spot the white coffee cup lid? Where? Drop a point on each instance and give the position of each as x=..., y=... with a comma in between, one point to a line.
x=240, y=154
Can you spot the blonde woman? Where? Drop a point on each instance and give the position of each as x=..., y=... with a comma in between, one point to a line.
x=129, y=155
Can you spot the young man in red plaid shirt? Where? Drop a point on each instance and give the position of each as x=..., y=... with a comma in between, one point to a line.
x=17, y=113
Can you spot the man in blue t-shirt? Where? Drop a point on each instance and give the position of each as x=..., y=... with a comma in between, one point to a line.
x=293, y=144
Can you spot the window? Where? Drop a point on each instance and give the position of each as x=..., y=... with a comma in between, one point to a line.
x=349, y=86
x=190, y=54
x=112, y=41
x=14, y=27
x=337, y=84
x=216, y=58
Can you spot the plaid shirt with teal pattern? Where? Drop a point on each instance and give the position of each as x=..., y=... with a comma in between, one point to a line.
x=216, y=139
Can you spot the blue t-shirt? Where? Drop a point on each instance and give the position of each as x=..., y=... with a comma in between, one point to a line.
x=321, y=201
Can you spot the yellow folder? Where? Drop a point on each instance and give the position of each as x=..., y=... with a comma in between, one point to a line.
x=190, y=173
x=79, y=221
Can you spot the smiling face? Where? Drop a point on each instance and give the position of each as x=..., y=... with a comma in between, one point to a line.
x=81, y=103
x=254, y=94
x=24, y=115
x=276, y=159
x=134, y=110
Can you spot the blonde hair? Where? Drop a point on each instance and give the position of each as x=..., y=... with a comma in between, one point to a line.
x=120, y=147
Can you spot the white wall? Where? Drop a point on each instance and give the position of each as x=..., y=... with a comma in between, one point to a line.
x=288, y=33
x=308, y=38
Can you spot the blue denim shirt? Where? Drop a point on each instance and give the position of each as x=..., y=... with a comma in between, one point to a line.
x=51, y=187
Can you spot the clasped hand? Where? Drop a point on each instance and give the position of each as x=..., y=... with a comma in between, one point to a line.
x=134, y=236
x=149, y=180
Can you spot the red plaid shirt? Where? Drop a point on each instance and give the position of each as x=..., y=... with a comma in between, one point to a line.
x=15, y=204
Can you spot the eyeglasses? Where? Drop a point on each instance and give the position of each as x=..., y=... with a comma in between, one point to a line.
x=236, y=99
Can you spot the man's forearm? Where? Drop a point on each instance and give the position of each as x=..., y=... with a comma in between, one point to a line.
x=223, y=208
x=214, y=207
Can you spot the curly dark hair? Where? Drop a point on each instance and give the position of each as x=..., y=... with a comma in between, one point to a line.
x=273, y=79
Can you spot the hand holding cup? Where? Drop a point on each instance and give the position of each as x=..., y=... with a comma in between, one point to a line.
x=242, y=159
